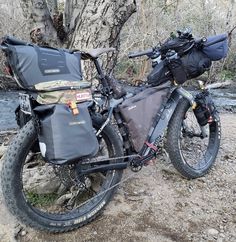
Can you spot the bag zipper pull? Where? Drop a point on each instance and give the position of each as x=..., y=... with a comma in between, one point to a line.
x=73, y=107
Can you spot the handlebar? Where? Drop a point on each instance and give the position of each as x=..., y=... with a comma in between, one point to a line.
x=147, y=52
x=203, y=41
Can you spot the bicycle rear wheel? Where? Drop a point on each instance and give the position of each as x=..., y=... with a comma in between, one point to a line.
x=68, y=200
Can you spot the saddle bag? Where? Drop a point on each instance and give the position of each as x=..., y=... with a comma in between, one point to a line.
x=63, y=136
x=34, y=65
x=140, y=111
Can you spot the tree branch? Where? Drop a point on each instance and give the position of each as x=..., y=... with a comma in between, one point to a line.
x=230, y=35
x=39, y=22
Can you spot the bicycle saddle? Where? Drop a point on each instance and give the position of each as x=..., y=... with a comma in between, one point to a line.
x=13, y=41
x=94, y=53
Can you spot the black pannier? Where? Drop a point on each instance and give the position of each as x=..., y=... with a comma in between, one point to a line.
x=65, y=137
x=33, y=64
x=140, y=111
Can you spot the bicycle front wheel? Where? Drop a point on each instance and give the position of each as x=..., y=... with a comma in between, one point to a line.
x=191, y=154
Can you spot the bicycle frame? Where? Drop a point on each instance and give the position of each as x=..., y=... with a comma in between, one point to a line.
x=156, y=132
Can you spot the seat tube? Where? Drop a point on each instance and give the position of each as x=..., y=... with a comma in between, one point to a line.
x=102, y=76
x=99, y=68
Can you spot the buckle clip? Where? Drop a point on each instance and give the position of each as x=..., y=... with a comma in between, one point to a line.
x=152, y=146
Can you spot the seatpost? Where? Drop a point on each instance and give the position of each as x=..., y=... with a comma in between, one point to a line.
x=102, y=76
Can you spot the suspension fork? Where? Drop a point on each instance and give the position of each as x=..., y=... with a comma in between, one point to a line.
x=157, y=132
x=193, y=103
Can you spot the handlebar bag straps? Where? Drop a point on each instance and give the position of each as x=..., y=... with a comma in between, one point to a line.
x=159, y=75
x=65, y=137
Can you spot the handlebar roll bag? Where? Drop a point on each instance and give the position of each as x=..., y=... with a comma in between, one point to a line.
x=195, y=63
x=65, y=137
x=218, y=50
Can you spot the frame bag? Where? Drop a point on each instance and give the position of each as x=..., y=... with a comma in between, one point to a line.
x=63, y=136
x=140, y=111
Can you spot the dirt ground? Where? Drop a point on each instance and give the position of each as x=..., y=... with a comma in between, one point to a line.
x=157, y=204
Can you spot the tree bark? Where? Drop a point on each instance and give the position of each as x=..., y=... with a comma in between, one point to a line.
x=98, y=24
x=40, y=22
x=88, y=24
x=220, y=84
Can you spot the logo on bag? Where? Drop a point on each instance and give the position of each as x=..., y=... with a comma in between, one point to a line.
x=132, y=107
x=77, y=123
x=83, y=96
x=51, y=71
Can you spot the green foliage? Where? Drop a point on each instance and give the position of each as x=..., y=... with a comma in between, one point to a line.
x=228, y=75
x=126, y=68
x=41, y=199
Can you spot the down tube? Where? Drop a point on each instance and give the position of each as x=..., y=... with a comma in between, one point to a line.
x=165, y=116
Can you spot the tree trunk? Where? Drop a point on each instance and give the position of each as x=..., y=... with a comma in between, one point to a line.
x=40, y=22
x=88, y=24
x=98, y=24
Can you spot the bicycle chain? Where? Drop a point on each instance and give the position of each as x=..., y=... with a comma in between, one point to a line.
x=117, y=184
x=108, y=189
x=108, y=159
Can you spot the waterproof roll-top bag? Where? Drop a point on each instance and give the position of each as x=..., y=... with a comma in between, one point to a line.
x=140, y=111
x=195, y=63
x=35, y=66
x=193, y=60
x=63, y=136
x=44, y=64
x=219, y=49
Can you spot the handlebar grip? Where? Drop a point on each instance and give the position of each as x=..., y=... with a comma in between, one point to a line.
x=3, y=47
x=137, y=54
x=201, y=40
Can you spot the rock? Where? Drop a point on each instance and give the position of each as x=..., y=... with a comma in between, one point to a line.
x=23, y=233
x=222, y=235
x=41, y=179
x=212, y=232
